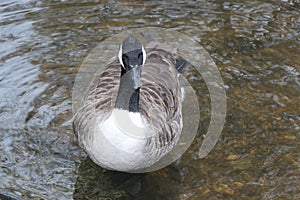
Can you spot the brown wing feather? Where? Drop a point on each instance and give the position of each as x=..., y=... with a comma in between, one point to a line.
x=99, y=100
x=160, y=98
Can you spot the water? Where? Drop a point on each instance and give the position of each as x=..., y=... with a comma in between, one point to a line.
x=256, y=46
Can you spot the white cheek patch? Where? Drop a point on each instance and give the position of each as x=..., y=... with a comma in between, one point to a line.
x=144, y=55
x=120, y=56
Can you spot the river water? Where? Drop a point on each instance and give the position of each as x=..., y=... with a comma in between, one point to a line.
x=256, y=47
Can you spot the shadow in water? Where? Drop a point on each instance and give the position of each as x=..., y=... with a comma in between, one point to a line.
x=7, y=196
x=94, y=182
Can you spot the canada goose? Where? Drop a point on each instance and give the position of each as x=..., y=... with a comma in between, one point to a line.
x=132, y=112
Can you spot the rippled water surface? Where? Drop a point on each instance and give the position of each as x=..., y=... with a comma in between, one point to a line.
x=256, y=46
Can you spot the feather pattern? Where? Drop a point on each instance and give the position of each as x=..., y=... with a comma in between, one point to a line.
x=160, y=102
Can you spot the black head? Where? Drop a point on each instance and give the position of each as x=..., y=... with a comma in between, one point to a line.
x=131, y=54
x=132, y=57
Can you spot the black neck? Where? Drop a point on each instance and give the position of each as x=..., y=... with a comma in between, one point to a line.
x=128, y=97
x=134, y=101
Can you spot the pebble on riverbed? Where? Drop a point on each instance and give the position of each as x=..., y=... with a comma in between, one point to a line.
x=233, y=157
x=224, y=189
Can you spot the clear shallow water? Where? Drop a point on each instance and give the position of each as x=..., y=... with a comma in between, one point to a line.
x=256, y=47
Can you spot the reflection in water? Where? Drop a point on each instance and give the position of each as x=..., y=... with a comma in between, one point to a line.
x=255, y=45
x=19, y=83
x=94, y=181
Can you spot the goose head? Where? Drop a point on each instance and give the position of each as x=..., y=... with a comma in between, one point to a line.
x=132, y=57
x=131, y=54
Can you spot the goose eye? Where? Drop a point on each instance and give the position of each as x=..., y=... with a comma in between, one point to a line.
x=125, y=60
x=140, y=58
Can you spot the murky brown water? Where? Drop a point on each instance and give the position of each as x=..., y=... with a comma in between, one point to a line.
x=256, y=46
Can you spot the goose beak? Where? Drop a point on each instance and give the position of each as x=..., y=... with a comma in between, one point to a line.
x=135, y=74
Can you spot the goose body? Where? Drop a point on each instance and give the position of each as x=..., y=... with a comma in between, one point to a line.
x=132, y=115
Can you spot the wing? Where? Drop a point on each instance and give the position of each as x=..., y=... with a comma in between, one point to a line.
x=160, y=98
x=98, y=102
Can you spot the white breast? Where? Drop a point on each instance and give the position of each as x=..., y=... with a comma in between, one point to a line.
x=119, y=141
